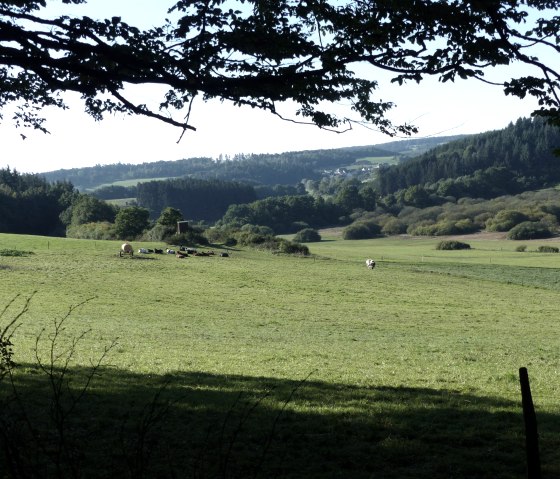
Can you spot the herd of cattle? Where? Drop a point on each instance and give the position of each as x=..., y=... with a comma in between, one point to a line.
x=183, y=252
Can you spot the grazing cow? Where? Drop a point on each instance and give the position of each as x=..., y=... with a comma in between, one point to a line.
x=180, y=255
x=370, y=263
x=224, y=255
x=170, y=251
x=143, y=251
x=126, y=249
x=158, y=251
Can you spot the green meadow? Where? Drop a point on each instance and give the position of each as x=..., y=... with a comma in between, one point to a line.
x=132, y=182
x=262, y=365
x=374, y=160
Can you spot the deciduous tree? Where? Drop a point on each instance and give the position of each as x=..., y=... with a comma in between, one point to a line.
x=170, y=216
x=131, y=222
x=263, y=53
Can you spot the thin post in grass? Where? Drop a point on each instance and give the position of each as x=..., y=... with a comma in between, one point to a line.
x=531, y=433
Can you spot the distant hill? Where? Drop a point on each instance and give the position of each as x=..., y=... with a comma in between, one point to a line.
x=416, y=146
x=264, y=169
x=519, y=157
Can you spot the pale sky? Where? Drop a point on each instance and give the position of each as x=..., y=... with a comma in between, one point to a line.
x=76, y=140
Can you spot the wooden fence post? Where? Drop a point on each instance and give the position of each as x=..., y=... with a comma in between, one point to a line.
x=531, y=433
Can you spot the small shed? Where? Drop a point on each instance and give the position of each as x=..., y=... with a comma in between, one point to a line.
x=182, y=227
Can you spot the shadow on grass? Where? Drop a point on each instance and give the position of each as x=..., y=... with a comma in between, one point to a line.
x=211, y=426
x=142, y=258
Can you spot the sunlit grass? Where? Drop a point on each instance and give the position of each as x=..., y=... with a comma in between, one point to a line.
x=423, y=351
x=132, y=182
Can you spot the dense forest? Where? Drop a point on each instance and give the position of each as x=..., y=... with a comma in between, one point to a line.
x=286, y=214
x=481, y=182
x=517, y=158
x=476, y=183
x=31, y=205
x=289, y=214
x=264, y=169
x=197, y=199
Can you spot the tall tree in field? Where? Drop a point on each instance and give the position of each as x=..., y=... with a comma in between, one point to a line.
x=87, y=209
x=170, y=216
x=130, y=222
x=263, y=53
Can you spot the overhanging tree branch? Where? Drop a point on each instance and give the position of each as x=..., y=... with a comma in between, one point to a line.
x=262, y=53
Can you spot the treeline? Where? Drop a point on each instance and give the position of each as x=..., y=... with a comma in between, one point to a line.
x=416, y=146
x=113, y=192
x=266, y=169
x=285, y=214
x=289, y=214
x=522, y=155
x=263, y=191
x=263, y=169
x=197, y=199
x=427, y=195
x=528, y=215
x=31, y=205
x=92, y=177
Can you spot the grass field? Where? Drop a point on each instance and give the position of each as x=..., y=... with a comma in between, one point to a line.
x=132, y=182
x=122, y=202
x=390, y=160
x=373, y=160
x=294, y=367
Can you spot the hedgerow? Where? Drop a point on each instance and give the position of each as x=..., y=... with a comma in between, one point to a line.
x=452, y=245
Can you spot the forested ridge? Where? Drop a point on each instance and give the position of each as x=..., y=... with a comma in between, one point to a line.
x=519, y=157
x=267, y=169
x=197, y=199
x=493, y=181
x=31, y=205
x=427, y=194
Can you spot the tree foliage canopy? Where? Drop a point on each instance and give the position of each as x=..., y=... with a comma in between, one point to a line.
x=31, y=205
x=262, y=53
x=485, y=165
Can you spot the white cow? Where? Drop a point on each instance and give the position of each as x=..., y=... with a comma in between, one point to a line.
x=370, y=263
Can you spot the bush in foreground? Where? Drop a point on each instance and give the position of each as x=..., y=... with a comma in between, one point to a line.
x=529, y=230
x=505, y=220
x=288, y=247
x=15, y=252
x=102, y=230
x=191, y=237
x=452, y=245
x=307, y=235
x=394, y=226
x=159, y=232
x=270, y=243
x=548, y=249
x=361, y=230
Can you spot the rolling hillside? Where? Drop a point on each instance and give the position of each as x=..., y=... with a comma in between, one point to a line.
x=284, y=168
